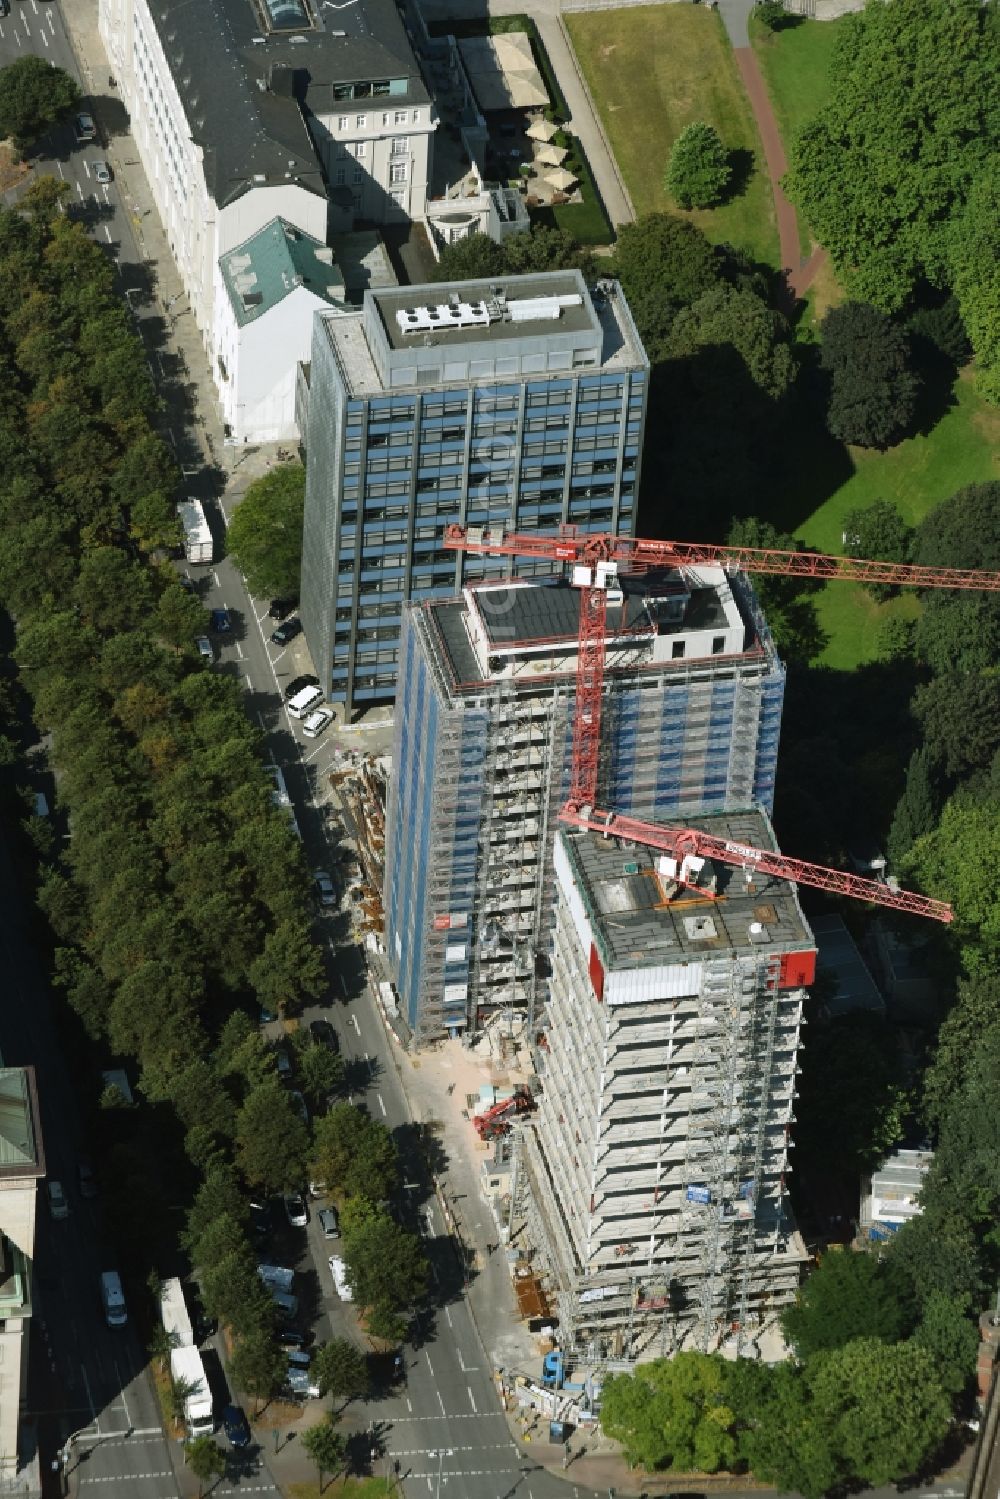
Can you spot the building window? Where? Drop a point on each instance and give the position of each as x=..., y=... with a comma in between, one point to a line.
x=342, y=122
x=400, y=146
x=361, y=122
x=357, y=178
x=340, y=177
x=397, y=171
x=677, y=650
x=361, y=149
x=400, y=116
x=416, y=117
x=718, y=644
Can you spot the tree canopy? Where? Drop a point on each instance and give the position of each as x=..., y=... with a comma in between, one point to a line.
x=913, y=119
x=873, y=389
x=33, y=95
x=699, y=170
x=849, y=1296
x=265, y=533
x=672, y=1413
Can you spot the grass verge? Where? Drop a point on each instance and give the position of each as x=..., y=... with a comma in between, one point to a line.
x=353, y=1488
x=654, y=70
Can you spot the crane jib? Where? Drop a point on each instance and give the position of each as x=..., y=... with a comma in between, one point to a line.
x=754, y=854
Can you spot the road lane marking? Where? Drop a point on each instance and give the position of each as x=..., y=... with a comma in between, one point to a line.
x=239, y=650
x=471, y=1401
x=381, y=1104
x=357, y=1027
x=90, y=1398
x=107, y=235
x=79, y=190
x=344, y=987
x=215, y=578
x=45, y=40
x=86, y=166
x=441, y=1404
x=447, y=1313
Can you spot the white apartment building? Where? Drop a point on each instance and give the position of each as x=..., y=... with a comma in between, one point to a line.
x=244, y=111
x=22, y=1162
x=266, y=292
x=652, y=1179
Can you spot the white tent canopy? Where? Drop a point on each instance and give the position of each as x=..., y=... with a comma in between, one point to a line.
x=502, y=71
x=560, y=179
x=542, y=129
x=551, y=156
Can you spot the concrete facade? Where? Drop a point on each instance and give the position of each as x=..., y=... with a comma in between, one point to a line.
x=22, y=1163
x=653, y=1174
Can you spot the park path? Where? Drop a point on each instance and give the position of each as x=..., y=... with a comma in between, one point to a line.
x=801, y=274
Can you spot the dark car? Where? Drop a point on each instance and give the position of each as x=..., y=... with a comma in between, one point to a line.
x=286, y=632
x=236, y=1426
x=324, y=1034
x=297, y=684
x=290, y=1337
x=86, y=1178
x=260, y=1219
x=280, y=608
x=221, y=621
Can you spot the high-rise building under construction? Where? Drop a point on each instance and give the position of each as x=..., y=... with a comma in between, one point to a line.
x=649, y=1187
x=484, y=712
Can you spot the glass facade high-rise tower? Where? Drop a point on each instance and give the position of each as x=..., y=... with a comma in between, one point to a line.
x=519, y=404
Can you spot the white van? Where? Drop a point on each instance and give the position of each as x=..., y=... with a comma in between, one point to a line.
x=339, y=1272
x=113, y=1299
x=305, y=701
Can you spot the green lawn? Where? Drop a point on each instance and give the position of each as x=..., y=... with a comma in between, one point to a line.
x=963, y=448
x=653, y=70
x=796, y=68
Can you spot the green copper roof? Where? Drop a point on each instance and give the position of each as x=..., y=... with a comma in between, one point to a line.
x=268, y=267
x=20, y=1150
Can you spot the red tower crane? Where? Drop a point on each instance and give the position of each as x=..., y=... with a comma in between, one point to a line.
x=596, y=558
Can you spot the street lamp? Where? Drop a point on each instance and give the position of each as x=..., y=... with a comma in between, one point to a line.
x=442, y=1453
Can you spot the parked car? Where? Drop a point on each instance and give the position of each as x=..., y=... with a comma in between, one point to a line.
x=291, y=1337
x=280, y=608
x=324, y=1034
x=260, y=1218
x=86, y=1178
x=315, y=724
x=266, y=1016
x=301, y=1107
x=58, y=1206
x=206, y=650
x=300, y=1383
x=286, y=632
x=85, y=127
x=295, y=1210
x=284, y=1062
x=102, y=171
x=329, y=1222
x=221, y=621
x=297, y=683
x=236, y=1426
x=326, y=892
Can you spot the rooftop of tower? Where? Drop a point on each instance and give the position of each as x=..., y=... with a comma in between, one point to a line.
x=528, y=629
x=623, y=891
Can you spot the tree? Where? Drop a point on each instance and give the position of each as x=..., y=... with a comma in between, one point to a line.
x=353, y=1153
x=873, y=390
x=772, y=15
x=265, y=533
x=974, y=254
x=321, y=1073
x=882, y=179
x=916, y=810
x=882, y=1406
x=699, y=170
x=938, y=1251
x=779, y=1435
x=475, y=257
x=958, y=632
x=325, y=1447
x=949, y=1334
x=974, y=1015
x=663, y=263
x=880, y=532
x=341, y=1370
x=971, y=700
x=672, y=1413
x=271, y=1140
x=289, y=968
x=206, y=1460
x=386, y=1265
x=258, y=1365
x=854, y=1077
x=963, y=531
x=737, y=318
x=34, y=95
x=849, y=1296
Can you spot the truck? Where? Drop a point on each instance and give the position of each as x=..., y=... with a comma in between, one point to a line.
x=188, y=1372
x=198, y=544
x=174, y=1314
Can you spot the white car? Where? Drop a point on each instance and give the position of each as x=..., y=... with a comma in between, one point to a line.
x=296, y=1211
x=314, y=725
x=58, y=1206
x=325, y=889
